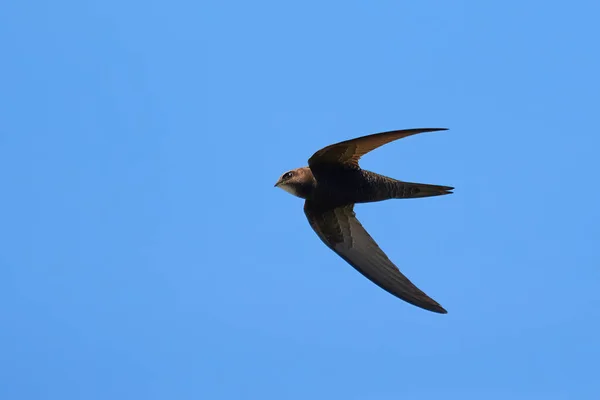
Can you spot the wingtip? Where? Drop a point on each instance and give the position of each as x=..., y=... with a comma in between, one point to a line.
x=428, y=304
x=436, y=308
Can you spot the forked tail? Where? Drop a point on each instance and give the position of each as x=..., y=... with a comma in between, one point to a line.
x=379, y=187
x=409, y=190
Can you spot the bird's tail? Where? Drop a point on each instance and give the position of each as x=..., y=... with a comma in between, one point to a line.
x=409, y=190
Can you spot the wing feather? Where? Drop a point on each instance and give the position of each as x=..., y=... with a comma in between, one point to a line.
x=341, y=231
x=350, y=151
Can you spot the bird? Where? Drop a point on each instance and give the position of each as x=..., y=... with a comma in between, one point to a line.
x=333, y=182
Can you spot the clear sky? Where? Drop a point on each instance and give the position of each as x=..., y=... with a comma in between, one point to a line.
x=146, y=254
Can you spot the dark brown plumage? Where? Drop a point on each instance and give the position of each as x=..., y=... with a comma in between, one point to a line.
x=332, y=183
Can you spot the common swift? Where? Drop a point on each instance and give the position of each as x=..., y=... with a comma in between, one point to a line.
x=332, y=183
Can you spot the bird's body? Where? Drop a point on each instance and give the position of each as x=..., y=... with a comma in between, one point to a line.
x=345, y=186
x=331, y=185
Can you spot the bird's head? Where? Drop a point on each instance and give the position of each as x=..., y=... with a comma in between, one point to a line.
x=299, y=182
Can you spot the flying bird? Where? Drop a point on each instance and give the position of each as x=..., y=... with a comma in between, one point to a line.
x=332, y=183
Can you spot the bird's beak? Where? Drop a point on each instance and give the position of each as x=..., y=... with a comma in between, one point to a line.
x=277, y=183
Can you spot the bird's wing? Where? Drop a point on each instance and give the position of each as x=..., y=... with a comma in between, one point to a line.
x=339, y=229
x=350, y=151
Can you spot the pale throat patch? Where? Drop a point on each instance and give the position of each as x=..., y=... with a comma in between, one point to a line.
x=290, y=189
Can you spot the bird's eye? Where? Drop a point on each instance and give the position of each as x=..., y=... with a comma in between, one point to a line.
x=287, y=175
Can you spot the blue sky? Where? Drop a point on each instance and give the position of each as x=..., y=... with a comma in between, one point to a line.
x=146, y=253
